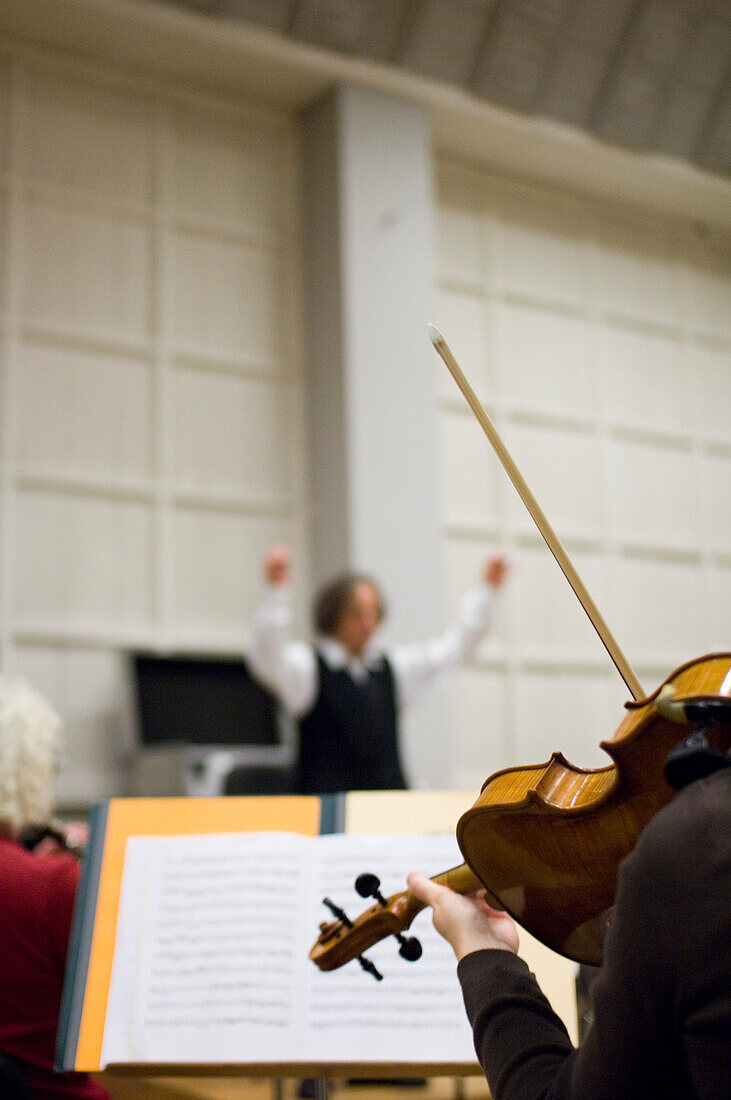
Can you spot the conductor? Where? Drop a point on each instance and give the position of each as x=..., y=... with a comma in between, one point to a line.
x=344, y=692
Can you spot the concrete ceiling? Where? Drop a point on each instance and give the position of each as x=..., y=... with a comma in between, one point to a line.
x=650, y=75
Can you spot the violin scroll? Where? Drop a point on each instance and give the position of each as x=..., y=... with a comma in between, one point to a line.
x=343, y=939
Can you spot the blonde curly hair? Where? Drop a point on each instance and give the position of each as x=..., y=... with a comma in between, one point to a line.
x=29, y=738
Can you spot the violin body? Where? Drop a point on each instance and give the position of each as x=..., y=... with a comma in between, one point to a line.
x=547, y=840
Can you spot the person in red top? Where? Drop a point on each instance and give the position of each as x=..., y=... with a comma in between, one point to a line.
x=37, y=892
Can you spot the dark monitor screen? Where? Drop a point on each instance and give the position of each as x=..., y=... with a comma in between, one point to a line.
x=201, y=701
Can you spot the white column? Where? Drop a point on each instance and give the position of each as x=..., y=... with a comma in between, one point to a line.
x=371, y=371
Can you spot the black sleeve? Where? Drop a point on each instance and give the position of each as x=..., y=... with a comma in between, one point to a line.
x=520, y=1042
x=524, y=1048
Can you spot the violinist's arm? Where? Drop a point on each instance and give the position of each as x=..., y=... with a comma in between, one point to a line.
x=657, y=958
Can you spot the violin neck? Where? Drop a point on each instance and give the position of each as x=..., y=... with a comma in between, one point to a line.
x=461, y=879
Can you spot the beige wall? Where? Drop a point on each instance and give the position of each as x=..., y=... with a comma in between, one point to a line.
x=151, y=408
x=152, y=393
x=600, y=340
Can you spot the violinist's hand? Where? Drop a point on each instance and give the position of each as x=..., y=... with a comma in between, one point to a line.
x=71, y=836
x=465, y=920
x=495, y=572
x=276, y=565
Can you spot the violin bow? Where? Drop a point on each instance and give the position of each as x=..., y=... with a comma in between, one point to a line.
x=549, y=535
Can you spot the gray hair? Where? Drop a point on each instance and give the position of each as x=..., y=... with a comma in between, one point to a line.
x=332, y=600
x=29, y=738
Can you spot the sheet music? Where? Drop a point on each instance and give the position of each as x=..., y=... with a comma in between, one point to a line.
x=211, y=961
x=208, y=948
x=416, y=1013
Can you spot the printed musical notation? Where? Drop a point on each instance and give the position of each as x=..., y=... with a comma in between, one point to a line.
x=211, y=956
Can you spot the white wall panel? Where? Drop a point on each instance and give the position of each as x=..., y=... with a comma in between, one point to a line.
x=644, y=282
x=87, y=688
x=643, y=383
x=563, y=469
x=228, y=171
x=566, y=713
x=151, y=401
x=217, y=571
x=80, y=413
x=541, y=249
x=95, y=276
x=599, y=341
x=470, y=479
x=543, y=357
x=85, y=562
x=658, y=607
x=228, y=299
x=646, y=485
x=711, y=393
x=546, y=620
x=709, y=277
x=477, y=720
x=460, y=230
x=716, y=613
x=82, y=135
x=232, y=433
x=715, y=503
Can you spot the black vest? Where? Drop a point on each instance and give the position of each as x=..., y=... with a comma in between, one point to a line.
x=349, y=740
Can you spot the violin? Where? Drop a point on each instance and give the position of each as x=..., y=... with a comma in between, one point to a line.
x=548, y=840
x=545, y=841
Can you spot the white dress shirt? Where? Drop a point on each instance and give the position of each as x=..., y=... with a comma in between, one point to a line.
x=289, y=668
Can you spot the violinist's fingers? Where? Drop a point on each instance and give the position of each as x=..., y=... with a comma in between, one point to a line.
x=464, y=920
x=423, y=888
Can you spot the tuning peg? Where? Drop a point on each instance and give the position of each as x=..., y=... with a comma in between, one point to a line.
x=410, y=948
x=338, y=912
x=367, y=886
x=370, y=968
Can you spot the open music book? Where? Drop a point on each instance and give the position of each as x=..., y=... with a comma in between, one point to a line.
x=211, y=963
x=194, y=922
